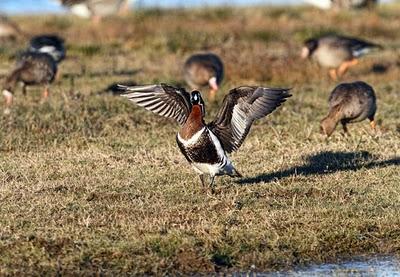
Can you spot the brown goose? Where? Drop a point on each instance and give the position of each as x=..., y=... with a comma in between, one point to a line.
x=348, y=103
x=96, y=9
x=205, y=146
x=201, y=70
x=337, y=52
x=31, y=69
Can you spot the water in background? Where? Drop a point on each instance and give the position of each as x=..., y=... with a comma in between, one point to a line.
x=52, y=6
x=372, y=266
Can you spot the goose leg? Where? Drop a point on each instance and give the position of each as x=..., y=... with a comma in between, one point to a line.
x=212, y=184
x=372, y=123
x=46, y=92
x=24, y=89
x=202, y=179
x=344, y=66
x=346, y=131
x=333, y=74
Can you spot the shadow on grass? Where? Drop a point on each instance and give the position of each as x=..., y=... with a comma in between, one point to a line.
x=102, y=73
x=326, y=163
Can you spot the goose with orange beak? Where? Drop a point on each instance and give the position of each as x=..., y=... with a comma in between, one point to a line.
x=202, y=70
x=338, y=53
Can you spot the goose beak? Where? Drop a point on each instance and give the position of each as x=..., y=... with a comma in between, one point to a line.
x=213, y=83
x=305, y=53
x=8, y=95
x=9, y=99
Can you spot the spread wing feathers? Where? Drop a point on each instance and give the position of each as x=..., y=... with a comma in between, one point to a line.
x=163, y=100
x=240, y=108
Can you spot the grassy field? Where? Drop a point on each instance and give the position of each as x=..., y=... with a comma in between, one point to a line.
x=91, y=184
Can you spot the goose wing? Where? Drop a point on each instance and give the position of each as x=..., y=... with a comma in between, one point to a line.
x=357, y=46
x=240, y=108
x=164, y=100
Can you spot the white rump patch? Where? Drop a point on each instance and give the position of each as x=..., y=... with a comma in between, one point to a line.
x=361, y=52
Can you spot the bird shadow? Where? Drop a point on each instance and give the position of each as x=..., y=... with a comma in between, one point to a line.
x=102, y=73
x=115, y=89
x=379, y=68
x=324, y=163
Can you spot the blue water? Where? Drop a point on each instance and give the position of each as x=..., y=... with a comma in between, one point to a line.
x=51, y=6
x=372, y=266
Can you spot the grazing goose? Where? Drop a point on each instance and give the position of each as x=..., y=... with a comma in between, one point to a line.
x=205, y=146
x=50, y=44
x=342, y=4
x=348, y=103
x=31, y=69
x=96, y=9
x=336, y=52
x=202, y=70
x=353, y=4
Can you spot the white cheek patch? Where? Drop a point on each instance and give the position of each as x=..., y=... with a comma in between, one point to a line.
x=7, y=93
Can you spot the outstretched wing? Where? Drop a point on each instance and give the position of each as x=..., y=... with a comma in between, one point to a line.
x=240, y=108
x=161, y=99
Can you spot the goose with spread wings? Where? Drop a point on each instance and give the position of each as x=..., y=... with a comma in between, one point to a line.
x=205, y=146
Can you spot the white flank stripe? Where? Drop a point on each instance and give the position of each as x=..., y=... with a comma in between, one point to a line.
x=217, y=144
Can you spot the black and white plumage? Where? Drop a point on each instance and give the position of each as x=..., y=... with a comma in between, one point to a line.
x=337, y=52
x=49, y=44
x=205, y=146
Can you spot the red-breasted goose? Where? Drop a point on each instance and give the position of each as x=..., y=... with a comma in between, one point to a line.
x=206, y=146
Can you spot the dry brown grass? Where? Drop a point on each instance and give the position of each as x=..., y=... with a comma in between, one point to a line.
x=91, y=184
